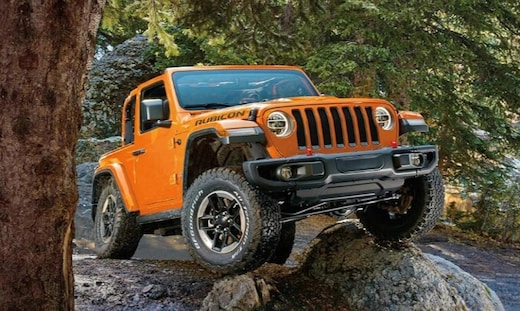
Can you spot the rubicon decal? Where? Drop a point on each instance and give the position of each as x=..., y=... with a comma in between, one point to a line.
x=224, y=116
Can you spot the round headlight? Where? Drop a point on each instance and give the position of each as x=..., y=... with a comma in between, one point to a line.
x=384, y=118
x=280, y=124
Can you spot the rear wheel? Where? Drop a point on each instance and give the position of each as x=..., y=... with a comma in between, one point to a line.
x=410, y=220
x=116, y=232
x=230, y=227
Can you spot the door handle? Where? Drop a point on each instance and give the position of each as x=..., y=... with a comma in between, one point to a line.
x=138, y=152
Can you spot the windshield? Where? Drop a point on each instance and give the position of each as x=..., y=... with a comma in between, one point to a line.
x=210, y=89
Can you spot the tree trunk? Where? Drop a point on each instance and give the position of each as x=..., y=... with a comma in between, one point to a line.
x=45, y=50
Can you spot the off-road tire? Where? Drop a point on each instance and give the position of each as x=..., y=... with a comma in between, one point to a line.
x=421, y=217
x=229, y=226
x=285, y=245
x=116, y=232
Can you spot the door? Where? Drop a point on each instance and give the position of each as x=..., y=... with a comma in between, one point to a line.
x=157, y=183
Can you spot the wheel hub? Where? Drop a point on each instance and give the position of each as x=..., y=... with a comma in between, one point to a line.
x=223, y=220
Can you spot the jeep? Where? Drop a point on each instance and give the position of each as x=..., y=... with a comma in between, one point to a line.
x=232, y=156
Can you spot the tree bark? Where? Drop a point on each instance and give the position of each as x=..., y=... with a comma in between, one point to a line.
x=45, y=50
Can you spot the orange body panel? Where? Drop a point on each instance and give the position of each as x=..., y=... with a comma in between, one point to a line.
x=410, y=115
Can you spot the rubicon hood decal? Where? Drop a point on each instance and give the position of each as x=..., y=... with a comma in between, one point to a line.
x=223, y=116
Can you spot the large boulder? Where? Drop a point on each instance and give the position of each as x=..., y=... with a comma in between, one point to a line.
x=347, y=270
x=396, y=276
x=111, y=79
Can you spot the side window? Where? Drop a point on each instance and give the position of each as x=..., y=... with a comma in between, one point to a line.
x=129, y=121
x=154, y=106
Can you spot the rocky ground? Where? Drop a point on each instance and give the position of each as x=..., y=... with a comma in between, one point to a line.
x=162, y=276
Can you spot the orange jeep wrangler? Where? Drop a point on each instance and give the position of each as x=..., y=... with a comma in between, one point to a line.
x=233, y=156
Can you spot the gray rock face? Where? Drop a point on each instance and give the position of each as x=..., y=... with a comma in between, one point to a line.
x=377, y=278
x=240, y=293
x=476, y=295
x=83, y=218
x=396, y=277
x=110, y=80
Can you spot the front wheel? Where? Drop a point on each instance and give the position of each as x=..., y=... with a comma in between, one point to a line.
x=116, y=232
x=229, y=226
x=415, y=218
x=285, y=245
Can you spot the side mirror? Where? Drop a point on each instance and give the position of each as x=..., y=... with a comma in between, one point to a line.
x=153, y=109
x=164, y=123
x=155, y=113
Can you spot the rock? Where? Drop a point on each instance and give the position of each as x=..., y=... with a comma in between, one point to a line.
x=477, y=295
x=393, y=277
x=85, y=172
x=242, y=292
x=154, y=291
x=365, y=275
x=110, y=80
x=83, y=218
x=359, y=274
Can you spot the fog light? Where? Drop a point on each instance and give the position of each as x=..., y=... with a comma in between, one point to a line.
x=416, y=159
x=285, y=172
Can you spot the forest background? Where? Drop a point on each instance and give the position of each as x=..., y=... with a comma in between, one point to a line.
x=455, y=62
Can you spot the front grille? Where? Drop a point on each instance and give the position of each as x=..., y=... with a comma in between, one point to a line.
x=335, y=127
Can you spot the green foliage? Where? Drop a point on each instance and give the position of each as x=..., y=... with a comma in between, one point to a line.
x=124, y=19
x=349, y=69
x=120, y=22
x=252, y=31
x=189, y=51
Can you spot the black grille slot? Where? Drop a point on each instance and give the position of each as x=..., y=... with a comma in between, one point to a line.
x=374, y=134
x=338, y=127
x=300, y=128
x=313, y=128
x=327, y=139
x=335, y=127
x=350, y=127
x=361, y=126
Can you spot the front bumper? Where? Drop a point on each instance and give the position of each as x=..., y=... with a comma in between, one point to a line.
x=322, y=177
